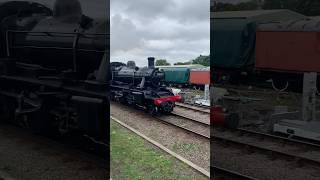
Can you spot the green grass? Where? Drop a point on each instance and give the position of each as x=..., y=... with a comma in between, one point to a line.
x=133, y=158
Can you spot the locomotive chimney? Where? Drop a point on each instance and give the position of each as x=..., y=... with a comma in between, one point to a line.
x=151, y=62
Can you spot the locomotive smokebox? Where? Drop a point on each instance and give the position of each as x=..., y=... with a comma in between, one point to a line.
x=151, y=62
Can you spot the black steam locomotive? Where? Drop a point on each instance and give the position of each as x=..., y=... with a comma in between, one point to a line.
x=54, y=68
x=142, y=87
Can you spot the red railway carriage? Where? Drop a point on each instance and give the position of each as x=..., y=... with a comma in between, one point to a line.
x=199, y=76
x=289, y=46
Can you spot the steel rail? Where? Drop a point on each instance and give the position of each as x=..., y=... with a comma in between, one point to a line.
x=278, y=138
x=189, y=118
x=181, y=127
x=195, y=108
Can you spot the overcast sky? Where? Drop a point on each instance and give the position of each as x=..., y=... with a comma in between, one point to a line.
x=176, y=30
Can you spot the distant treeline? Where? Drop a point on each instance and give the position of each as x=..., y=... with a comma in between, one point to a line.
x=306, y=7
x=203, y=60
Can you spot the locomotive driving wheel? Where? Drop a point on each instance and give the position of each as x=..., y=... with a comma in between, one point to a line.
x=167, y=107
x=152, y=110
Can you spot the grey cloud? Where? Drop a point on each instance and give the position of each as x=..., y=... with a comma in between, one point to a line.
x=178, y=30
x=124, y=34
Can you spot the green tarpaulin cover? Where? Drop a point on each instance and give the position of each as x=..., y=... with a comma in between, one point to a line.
x=232, y=43
x=176, y=75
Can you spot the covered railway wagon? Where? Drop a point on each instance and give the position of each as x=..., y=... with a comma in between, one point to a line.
x=176, y=75
x=233, y=45
x=291, y=46
x=188, y=76
x=54, y=68
x=199, y=76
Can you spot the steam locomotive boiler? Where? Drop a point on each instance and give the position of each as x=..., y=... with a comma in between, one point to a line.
x=54, y=68
x=142, y=87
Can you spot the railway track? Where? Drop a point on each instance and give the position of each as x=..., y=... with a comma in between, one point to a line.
x=192, y=113
x=191, y=125
x=190, y=118
x=194, y=107
x=226, y=174
x=187, y=124
x=302, y=153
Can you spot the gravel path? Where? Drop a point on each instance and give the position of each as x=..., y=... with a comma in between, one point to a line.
x=191, y=147
x=27, y=157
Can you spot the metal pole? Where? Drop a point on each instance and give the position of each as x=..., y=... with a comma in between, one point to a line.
x=206, y=92
x=309, y=96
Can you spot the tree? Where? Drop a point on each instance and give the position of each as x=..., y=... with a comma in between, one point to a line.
x=306, y=7
x=162, y=62
x=250, y=5
x=183, y=63
x=203, y=60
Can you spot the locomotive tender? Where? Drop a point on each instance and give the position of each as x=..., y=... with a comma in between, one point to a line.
x=54, y=68
x=142, y=87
